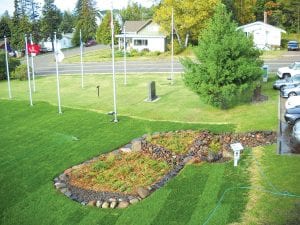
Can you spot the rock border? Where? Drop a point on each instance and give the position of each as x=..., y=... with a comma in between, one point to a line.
x=198, y=151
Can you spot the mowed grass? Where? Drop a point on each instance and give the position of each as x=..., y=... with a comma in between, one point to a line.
x=37, y=144
x=176, y=103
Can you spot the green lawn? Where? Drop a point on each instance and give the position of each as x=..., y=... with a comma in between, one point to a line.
x=130, y=100
x=37, y=144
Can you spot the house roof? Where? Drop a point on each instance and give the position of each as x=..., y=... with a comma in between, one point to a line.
x=259, y=23
x=135, y=26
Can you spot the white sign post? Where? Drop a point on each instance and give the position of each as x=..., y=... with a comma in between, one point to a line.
x=236, y=148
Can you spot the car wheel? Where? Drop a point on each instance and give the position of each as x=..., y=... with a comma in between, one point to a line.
x=282, y=87
x=292, y=94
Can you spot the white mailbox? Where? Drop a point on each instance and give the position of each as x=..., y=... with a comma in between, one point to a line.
x=236, y=148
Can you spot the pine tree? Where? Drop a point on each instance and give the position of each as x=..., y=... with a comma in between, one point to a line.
x=68, y=23
x=104, y=30
x=230, y=66
x=51, y=20
x=86, y=21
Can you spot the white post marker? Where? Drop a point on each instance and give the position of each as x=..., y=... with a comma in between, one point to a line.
x=81, y=59
x=7, y=69
x=28, y=72
x=172, y=47
x=125, y=66
x=56, y=52
x=113, y=64
x=32, y=66
x=236, y=148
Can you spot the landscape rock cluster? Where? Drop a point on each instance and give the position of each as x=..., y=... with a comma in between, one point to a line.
x=198, y=151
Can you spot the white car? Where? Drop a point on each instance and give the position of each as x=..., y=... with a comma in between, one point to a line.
x=292, y=102
x=291, y=70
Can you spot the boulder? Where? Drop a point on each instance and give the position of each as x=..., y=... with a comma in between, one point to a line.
x=105, y=205
x=59, y=185
x=133, y=201
x=113, y=204
x=92, y=203
x=99, y=204
x=142, y=192
x=136, y=145
x=123, y=204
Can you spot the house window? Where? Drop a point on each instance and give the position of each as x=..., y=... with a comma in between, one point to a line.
x=140, y=42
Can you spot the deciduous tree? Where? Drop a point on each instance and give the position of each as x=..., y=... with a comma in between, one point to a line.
x=190, y=17
x=230, y=65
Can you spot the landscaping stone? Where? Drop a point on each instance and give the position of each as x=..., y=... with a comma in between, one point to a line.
x=136, y=145
x=133, y=201
x=142, y=192
x=99, y=204
x=92, y=203
x=113, y=204
x=105, y=205
x=63, y=177
x=123, y=204
x=125, y=150
x=60, y=185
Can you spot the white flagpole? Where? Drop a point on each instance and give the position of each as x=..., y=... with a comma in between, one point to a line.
x=7, y=69
x=28, y=72
x=32, y=67
x=57, y=77
x=81, y=59
x=172, y=50
x=125, y=66
x=113, y=63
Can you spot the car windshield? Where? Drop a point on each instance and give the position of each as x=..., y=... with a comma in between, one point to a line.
x=292, y=66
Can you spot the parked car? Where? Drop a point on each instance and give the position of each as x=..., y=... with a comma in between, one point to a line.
x=290, y=71
x=292, y=102
x=90, y=43
x=293, y=46
x=296, y=131
x=292, y=115
x=288, y=82
x=290, y=91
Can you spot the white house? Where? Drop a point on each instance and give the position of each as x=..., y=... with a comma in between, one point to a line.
x=64, y=42
x=265, y=36
x=141, y=35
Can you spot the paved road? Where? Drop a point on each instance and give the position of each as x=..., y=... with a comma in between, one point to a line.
x=45, y=64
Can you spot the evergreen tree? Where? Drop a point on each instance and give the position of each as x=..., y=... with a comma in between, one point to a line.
x=68, y=23
x=104, y=30
x=135, y=11
x=51, y=20
x=230, y=66
x=86, y=21
x=5, y=25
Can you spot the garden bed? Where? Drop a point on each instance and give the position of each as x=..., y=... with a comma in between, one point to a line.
x=131, y=173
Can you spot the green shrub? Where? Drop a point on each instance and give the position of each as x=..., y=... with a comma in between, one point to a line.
x=12, y=64
x=20, y=72
x=214, y=147
x=177, y=47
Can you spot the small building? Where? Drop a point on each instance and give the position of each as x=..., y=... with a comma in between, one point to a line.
x=265, y=36
x=64, y=42
x=140, y=35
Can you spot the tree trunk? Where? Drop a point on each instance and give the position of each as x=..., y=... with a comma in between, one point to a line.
x=186, y=39
x=178, y=37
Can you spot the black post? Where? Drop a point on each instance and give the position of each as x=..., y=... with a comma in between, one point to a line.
x=98, y=87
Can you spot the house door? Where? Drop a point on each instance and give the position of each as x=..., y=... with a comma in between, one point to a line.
x=259, y=38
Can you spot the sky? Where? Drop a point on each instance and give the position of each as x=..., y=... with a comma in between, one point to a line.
x=70, y=4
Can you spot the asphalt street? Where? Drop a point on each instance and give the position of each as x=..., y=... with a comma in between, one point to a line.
x=45, y=64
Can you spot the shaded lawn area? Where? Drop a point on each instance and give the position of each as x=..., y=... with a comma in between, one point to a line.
x=37, y=144
x=130, y=100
